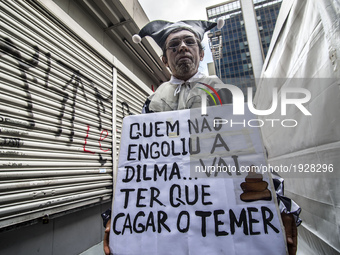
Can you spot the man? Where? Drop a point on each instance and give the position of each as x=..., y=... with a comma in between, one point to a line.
x=182, y=53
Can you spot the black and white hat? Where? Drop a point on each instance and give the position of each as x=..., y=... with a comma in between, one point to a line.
x=159, y=30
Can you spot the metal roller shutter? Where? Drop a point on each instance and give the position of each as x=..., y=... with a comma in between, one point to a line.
x=130, y=100
x=55, y=117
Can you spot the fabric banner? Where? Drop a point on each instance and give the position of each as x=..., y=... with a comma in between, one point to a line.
x=193, y=184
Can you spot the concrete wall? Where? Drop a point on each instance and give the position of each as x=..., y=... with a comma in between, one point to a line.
x=73, y=9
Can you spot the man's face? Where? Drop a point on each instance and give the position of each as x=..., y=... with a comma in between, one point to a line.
x=184, y=59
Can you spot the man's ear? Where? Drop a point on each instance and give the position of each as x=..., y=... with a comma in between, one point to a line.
x=201, y=55
x=165, y=61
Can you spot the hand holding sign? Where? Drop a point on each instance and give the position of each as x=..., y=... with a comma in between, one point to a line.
x=106, y=238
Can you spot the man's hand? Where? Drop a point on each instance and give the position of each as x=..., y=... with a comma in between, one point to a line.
x=107, y=238
x=291, y=232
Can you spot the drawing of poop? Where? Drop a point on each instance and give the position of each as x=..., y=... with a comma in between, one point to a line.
x=254, y=188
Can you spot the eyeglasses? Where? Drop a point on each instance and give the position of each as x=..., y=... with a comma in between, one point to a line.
x=175, y=43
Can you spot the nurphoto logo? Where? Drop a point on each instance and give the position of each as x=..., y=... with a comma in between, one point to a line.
x=238, y=102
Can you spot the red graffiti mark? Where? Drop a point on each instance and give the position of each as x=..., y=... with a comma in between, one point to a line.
x=102, y=139
x=87, y=135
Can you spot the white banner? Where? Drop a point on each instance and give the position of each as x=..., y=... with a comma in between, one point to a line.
x=185, y=185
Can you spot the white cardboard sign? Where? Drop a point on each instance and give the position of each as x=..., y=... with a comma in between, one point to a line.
x=183, y=186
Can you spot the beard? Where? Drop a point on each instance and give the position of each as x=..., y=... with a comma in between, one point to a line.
x=184, y=68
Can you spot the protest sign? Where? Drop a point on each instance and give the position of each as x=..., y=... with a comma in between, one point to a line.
x=185, y=185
